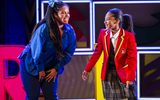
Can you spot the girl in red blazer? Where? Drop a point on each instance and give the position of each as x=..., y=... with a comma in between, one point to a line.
x=120, y=58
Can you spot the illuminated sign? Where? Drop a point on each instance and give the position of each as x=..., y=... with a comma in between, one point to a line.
x=11, y=85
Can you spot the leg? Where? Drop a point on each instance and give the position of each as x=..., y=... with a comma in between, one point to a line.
x=104, y=89
x=31, y=83
x=133, y=91
x=107, y=90
x=50, y=89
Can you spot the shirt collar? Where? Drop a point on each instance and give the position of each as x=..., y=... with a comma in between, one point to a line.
x=115, y=36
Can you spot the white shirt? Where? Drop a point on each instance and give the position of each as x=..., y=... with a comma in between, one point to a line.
x=114, y=38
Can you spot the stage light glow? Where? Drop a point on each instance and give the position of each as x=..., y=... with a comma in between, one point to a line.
x=124, y=2
x=37, y=12
x=83, y=53
x=148, y=48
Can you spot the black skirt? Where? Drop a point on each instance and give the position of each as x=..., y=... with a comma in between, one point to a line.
x=114, y=89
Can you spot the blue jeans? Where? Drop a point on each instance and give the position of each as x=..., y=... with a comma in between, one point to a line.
x=32, y=85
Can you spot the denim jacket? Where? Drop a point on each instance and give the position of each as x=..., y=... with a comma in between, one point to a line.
x=40, y=54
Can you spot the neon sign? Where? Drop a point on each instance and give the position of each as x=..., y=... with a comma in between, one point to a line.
x=11, y=85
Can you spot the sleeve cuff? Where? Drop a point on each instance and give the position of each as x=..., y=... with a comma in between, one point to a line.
x=57, y=67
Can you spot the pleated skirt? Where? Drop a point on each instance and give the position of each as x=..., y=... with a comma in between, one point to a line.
x=114, y=89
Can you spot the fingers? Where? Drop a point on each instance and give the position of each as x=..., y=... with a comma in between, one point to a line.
x=48, y=71
x=49, y=77
x=128, y=83
x=52, y=74
x=84, y=75
x=41, y=75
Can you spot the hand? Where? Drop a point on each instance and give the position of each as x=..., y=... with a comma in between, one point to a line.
x=42, y=75
x=128, y=83
x=84, y=75
x=51, y=74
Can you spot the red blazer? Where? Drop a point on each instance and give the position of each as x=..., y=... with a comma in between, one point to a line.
x=125, y=55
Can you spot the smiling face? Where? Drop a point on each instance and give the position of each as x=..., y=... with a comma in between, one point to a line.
x=63, y=15
x=110, y=21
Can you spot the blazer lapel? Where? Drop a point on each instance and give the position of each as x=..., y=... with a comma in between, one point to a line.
x=107, y=42
x=119, y=42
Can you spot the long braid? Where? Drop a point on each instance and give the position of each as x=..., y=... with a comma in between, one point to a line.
x=55, y=36
x=54, y=29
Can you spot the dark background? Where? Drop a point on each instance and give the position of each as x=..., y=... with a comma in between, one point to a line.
x=18, y=17
x=146, y=19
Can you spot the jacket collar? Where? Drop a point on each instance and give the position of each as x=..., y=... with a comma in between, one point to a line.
x=119, y=42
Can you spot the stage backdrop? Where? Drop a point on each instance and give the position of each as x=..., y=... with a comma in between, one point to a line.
x=17, y=20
